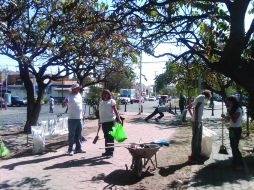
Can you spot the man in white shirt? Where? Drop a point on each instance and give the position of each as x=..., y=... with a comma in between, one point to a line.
x=75, y=116
x=51, y=104
x=198, y=108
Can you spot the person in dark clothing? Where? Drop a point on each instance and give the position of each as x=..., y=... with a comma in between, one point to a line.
x=234, y=116
x=182, y=102
x=159, y=110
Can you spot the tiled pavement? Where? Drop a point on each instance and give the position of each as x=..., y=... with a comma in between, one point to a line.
x=57, y=171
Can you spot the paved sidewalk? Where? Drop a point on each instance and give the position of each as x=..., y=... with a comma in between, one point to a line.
x=57, y=171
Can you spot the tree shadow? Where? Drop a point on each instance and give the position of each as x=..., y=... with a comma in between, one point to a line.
x=218, y=173
x=99, y=160
x=162, y=124
x=123, y=177
x=26, y=183
x=171, y=169
x=35, y=161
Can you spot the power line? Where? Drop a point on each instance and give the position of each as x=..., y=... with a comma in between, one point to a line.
x=154, y=61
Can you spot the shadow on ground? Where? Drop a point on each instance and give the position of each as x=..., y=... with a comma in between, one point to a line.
x=34, y=161
x=165, y=171
x=218, y=173
x=99, y=160
x=26, y=183
x=162, y=124
x=123, y=177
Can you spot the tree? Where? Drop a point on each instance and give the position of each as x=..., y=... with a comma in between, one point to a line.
x=212, y=30
x=52, y=35
x=118, y=80
x=31, y=34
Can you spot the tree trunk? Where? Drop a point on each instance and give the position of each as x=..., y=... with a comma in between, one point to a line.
x=250, y=106
x=33, y=111
x=33, y=105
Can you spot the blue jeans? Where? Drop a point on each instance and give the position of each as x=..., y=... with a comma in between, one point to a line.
x=74, y=128
x=196, y=140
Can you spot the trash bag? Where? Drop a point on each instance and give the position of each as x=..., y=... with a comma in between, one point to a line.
x=4, y=151
x=207, y=141
x=118, y=132
x=38, y=139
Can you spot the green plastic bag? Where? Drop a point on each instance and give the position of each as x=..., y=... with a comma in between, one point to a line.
x=118, y=132
x=4, y=151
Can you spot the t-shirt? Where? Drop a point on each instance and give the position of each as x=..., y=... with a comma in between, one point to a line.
x=198, y=99
x=51, y=101
x=106, y=112
x=238, y=122
x=75, y=106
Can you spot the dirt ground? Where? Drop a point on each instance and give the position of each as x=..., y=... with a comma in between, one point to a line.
x=173, y=171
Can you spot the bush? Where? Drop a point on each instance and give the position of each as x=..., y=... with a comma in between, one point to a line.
x=93, y=99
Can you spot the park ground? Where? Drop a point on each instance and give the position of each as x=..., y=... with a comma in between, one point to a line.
x=173, y=171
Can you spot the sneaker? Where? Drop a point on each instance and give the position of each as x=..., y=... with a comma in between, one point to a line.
x=156, y=119
x=70, y=153
x=79, y=151
x=146, y=120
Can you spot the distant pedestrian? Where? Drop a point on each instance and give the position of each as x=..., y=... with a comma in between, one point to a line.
x=51, y=104
x=182, y=102
x=159, y=110
x=107, y=115
x=234, y=116
x=198, y=108
x=75, y=116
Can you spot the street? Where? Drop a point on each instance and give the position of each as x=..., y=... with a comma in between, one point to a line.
x=15, y=116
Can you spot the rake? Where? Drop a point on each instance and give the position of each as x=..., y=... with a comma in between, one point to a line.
x=223, y=149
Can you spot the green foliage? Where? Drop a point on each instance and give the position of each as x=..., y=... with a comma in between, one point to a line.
x=93, y=98
x=117, y=80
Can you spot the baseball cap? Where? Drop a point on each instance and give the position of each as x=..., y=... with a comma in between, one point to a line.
x=76, y=85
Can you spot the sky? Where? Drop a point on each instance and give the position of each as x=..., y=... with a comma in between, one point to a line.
x=150, y=66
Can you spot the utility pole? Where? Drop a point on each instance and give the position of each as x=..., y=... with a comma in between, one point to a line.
x=155, y=85
x=140, y=85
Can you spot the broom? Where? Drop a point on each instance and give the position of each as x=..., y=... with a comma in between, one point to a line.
x=223, y=149
x=97, y=136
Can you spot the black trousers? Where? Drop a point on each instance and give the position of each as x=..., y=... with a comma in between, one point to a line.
x=156, y=111
x=234, y=137
x=106, y=127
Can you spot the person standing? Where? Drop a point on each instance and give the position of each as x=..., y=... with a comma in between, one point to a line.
x=234, y=116
x=198, y=108
x=182, y=102
x=107, y=115
x=75, y=116
x=51, y=104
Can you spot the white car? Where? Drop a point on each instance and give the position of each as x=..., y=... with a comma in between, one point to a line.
x=152, y=98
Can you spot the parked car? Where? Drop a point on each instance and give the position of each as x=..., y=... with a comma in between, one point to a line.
x=17, y=101
x=152, y=98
